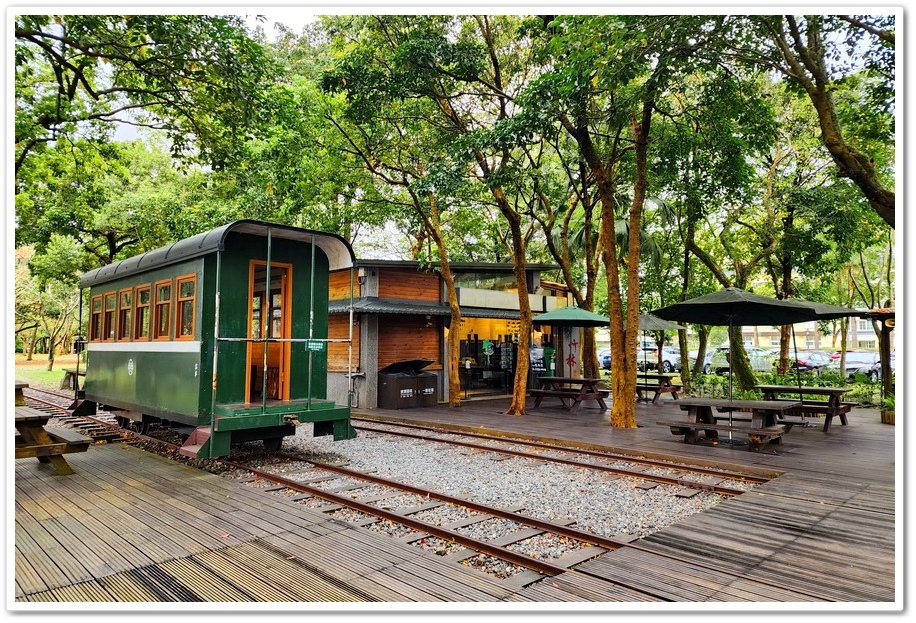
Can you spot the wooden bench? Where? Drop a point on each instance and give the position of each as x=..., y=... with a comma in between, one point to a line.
x=756, y=437
x=71, y=378
x=570, y=397
x=47, y=444
x=658, y=388
x=821, y=408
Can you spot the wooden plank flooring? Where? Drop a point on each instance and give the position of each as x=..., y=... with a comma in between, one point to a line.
x=131, y=527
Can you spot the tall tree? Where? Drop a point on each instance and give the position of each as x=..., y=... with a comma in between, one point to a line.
x=115, y=199
x=198, y=78
x=457, y=67
x=601, y=79
x=819, y=53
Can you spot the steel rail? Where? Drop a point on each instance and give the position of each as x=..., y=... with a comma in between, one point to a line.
x=541, y=566
x=732, y=475
x=546, y=568
x=573, y=533
x=729, y=491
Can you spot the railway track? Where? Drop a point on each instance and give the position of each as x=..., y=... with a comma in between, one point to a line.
x=506, y=542
x=515, y=542
x=653, y=470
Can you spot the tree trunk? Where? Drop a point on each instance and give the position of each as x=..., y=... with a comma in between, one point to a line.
x=454, y=337
x=520, y=386
x=806, y=65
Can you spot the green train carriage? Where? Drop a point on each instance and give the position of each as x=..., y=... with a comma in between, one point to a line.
x=222, y=335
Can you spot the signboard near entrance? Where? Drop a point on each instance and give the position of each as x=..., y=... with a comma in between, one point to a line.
x=537, y=360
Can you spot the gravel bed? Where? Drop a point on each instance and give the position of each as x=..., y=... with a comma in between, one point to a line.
x=603, y=503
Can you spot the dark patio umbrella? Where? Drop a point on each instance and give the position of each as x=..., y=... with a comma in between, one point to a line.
x=735, y=307
x=648, y=322
x=571, y=317
x=825, y=311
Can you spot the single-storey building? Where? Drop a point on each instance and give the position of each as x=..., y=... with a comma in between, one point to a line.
x=388, y=322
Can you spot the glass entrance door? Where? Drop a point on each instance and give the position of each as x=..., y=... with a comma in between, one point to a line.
x=269, y=320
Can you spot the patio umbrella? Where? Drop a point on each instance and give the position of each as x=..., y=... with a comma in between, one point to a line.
x=735, y=307
x=571, y=317
x=648, y=322
x=823, y=311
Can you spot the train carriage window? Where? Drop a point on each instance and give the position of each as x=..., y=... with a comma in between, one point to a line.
x=95, y=320
x=141, y=332
x=162, y=314
x=108, y=319
x=125, y=307
x=256, y=315
x=187, y=293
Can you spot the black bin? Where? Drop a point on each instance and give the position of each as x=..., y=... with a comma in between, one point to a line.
x=402, y=385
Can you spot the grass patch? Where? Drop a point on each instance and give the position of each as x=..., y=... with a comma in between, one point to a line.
x=35, y=372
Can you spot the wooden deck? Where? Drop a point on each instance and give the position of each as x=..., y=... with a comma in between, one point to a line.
x=132, y=527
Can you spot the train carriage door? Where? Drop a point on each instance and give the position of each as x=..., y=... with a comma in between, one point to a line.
x=269, y=329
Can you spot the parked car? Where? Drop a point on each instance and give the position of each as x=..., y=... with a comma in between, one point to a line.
x=807, y=360
x=874, y=372
x=648, y=358
x=835, y=356
x=857, y=362
x=604, y=358
x=761, y=360
x=693, y=358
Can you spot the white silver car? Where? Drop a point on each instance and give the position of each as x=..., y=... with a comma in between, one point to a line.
x=864, y=362
x=761, y=360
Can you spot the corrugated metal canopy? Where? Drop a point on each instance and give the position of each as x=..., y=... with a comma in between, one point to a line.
x=337, y=249
x=375, y=305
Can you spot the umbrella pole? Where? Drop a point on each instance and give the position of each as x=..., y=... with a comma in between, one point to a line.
x=798, y=375
x=731, y=372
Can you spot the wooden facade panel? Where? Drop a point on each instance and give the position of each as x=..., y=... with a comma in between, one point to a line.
x=339, y=329
x=409, y=337
x=339, y=286
x=409, y=284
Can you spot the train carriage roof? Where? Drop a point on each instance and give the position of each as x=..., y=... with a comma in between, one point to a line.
x=337, y=249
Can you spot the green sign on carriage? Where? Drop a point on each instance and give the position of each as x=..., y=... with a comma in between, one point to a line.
x=315, y=346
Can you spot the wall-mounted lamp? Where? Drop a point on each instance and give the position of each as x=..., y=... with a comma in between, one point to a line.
x=361, y=275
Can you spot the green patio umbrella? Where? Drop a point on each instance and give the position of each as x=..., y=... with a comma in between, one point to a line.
x=648, y=322
x=571, y=317
x=733, y=307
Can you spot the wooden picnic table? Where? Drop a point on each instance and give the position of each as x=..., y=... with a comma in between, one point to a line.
x=766, y=423
x=570, y=390
x=659, y=383
x=831, y=407
x=72, y=377
x=34, y=439
x=20, y=396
